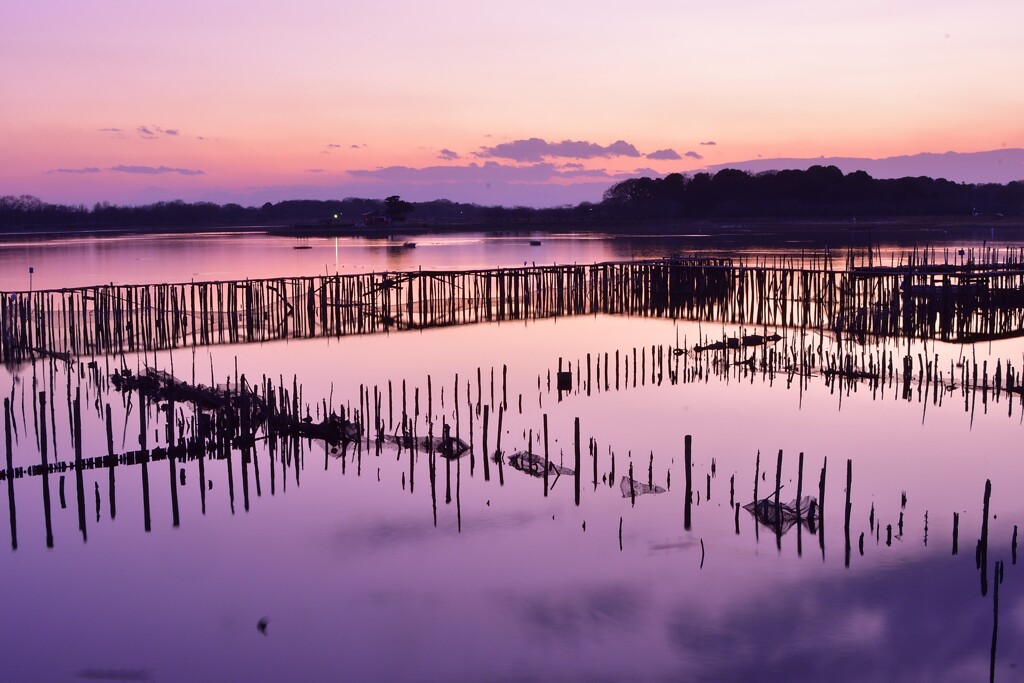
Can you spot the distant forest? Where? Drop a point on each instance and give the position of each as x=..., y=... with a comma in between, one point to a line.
x=818, y=192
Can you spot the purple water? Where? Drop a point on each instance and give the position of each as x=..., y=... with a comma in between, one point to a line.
x=355, y=580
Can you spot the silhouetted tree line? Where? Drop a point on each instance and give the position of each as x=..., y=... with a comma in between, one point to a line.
x=30, y=212
x=820, y=191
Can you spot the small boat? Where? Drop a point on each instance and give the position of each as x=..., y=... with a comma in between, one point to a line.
x=534, y=243
x=302, y=246
x=409, y=245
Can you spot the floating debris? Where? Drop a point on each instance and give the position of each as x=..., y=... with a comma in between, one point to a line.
x=533, y=464
x=631, y=488
x=228, y=403
x=162, y=386
x=449, y=447
x=737, y=342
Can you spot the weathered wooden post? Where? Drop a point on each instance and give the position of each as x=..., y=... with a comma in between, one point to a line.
x=687, y=465
x=956, y=532
x=577, y=446
x=10, y=479
x=45, y=468
x=849, y=507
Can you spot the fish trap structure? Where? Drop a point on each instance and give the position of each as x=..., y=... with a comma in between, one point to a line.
x=975, y=301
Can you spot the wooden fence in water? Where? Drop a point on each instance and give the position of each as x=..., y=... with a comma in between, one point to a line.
x=943, y=301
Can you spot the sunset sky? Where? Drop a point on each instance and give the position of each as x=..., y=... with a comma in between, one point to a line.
x=524, y=102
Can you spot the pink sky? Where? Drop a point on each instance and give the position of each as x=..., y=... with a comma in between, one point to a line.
x=254, y=101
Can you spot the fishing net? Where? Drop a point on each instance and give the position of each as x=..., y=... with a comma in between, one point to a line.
x=784, y=516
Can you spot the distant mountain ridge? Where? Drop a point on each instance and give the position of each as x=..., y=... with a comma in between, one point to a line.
x=995, y=166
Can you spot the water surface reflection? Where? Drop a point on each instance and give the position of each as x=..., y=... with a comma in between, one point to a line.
x=375, y=561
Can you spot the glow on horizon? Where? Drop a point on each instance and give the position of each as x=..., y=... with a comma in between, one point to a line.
x=262, y=98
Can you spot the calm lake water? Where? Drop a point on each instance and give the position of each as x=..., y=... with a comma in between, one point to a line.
x=378, y=563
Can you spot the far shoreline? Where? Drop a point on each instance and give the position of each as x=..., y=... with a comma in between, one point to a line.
x=736, y=232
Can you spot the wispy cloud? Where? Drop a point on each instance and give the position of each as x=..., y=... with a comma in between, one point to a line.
x=124, y=168
x=694, y=155
x=155, y=170
x=110, y=130
x=585, y=173
x=333, y=146
x=665, y=154
x=86, y=170
x=536, y=150
x=488, y=172
x=447, y=155
x=314, y=170
x=709, y=143
x=153, y=132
